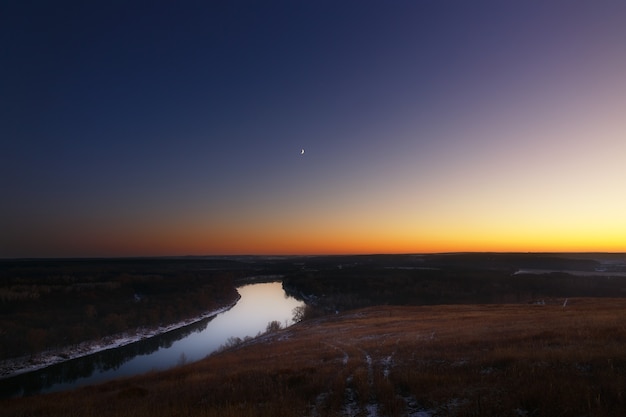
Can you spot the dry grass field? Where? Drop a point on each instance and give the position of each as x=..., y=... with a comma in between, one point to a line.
x=455, y=360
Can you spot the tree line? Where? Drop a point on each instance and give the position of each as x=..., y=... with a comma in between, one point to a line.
x=54, y=305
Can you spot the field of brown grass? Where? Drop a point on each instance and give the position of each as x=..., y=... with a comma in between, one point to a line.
x=455, y=360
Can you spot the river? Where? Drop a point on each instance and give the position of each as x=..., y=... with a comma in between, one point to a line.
x=259, y=304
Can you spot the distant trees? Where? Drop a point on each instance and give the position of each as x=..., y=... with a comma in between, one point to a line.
x=36, y=339
x=273, y=326
x=47, y=306
x=90, y=311
x=306, y=312
x=446, y=281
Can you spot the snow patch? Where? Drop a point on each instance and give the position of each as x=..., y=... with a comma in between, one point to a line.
x=372, y=410
x=25, y=364
x=350, y=408
x=387, y=363
x=414, y=409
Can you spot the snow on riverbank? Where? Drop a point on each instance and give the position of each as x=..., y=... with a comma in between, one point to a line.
x=15, y=366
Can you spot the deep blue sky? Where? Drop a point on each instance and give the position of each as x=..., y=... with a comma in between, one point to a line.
x=151, y=128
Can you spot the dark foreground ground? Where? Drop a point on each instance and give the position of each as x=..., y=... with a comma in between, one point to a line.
x=454, y=360
x=384, y=335
x=51, y=304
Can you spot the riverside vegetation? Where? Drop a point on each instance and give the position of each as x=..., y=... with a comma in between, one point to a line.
x=362, y=349
x=51, y=304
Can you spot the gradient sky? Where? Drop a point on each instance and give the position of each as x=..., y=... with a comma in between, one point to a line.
x=145, y=128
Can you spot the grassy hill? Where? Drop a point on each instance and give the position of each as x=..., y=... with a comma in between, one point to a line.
x=450, y=360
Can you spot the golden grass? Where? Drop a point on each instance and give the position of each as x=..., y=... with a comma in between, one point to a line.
x=461, y=360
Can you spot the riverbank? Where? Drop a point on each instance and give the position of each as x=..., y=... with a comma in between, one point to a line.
x=462, y=360
x=20, y=365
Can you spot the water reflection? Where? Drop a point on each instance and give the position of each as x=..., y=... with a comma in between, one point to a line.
x=259, y=305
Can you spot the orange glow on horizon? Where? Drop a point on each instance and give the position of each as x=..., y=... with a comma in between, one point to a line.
x=353, y=244
x=434, y=230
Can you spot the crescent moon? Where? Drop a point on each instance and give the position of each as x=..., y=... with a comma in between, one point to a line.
x=302, y=151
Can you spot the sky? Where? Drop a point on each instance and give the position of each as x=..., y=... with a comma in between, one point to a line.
x=153, y=128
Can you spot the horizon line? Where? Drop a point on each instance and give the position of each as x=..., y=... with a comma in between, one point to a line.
x=249, y=255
